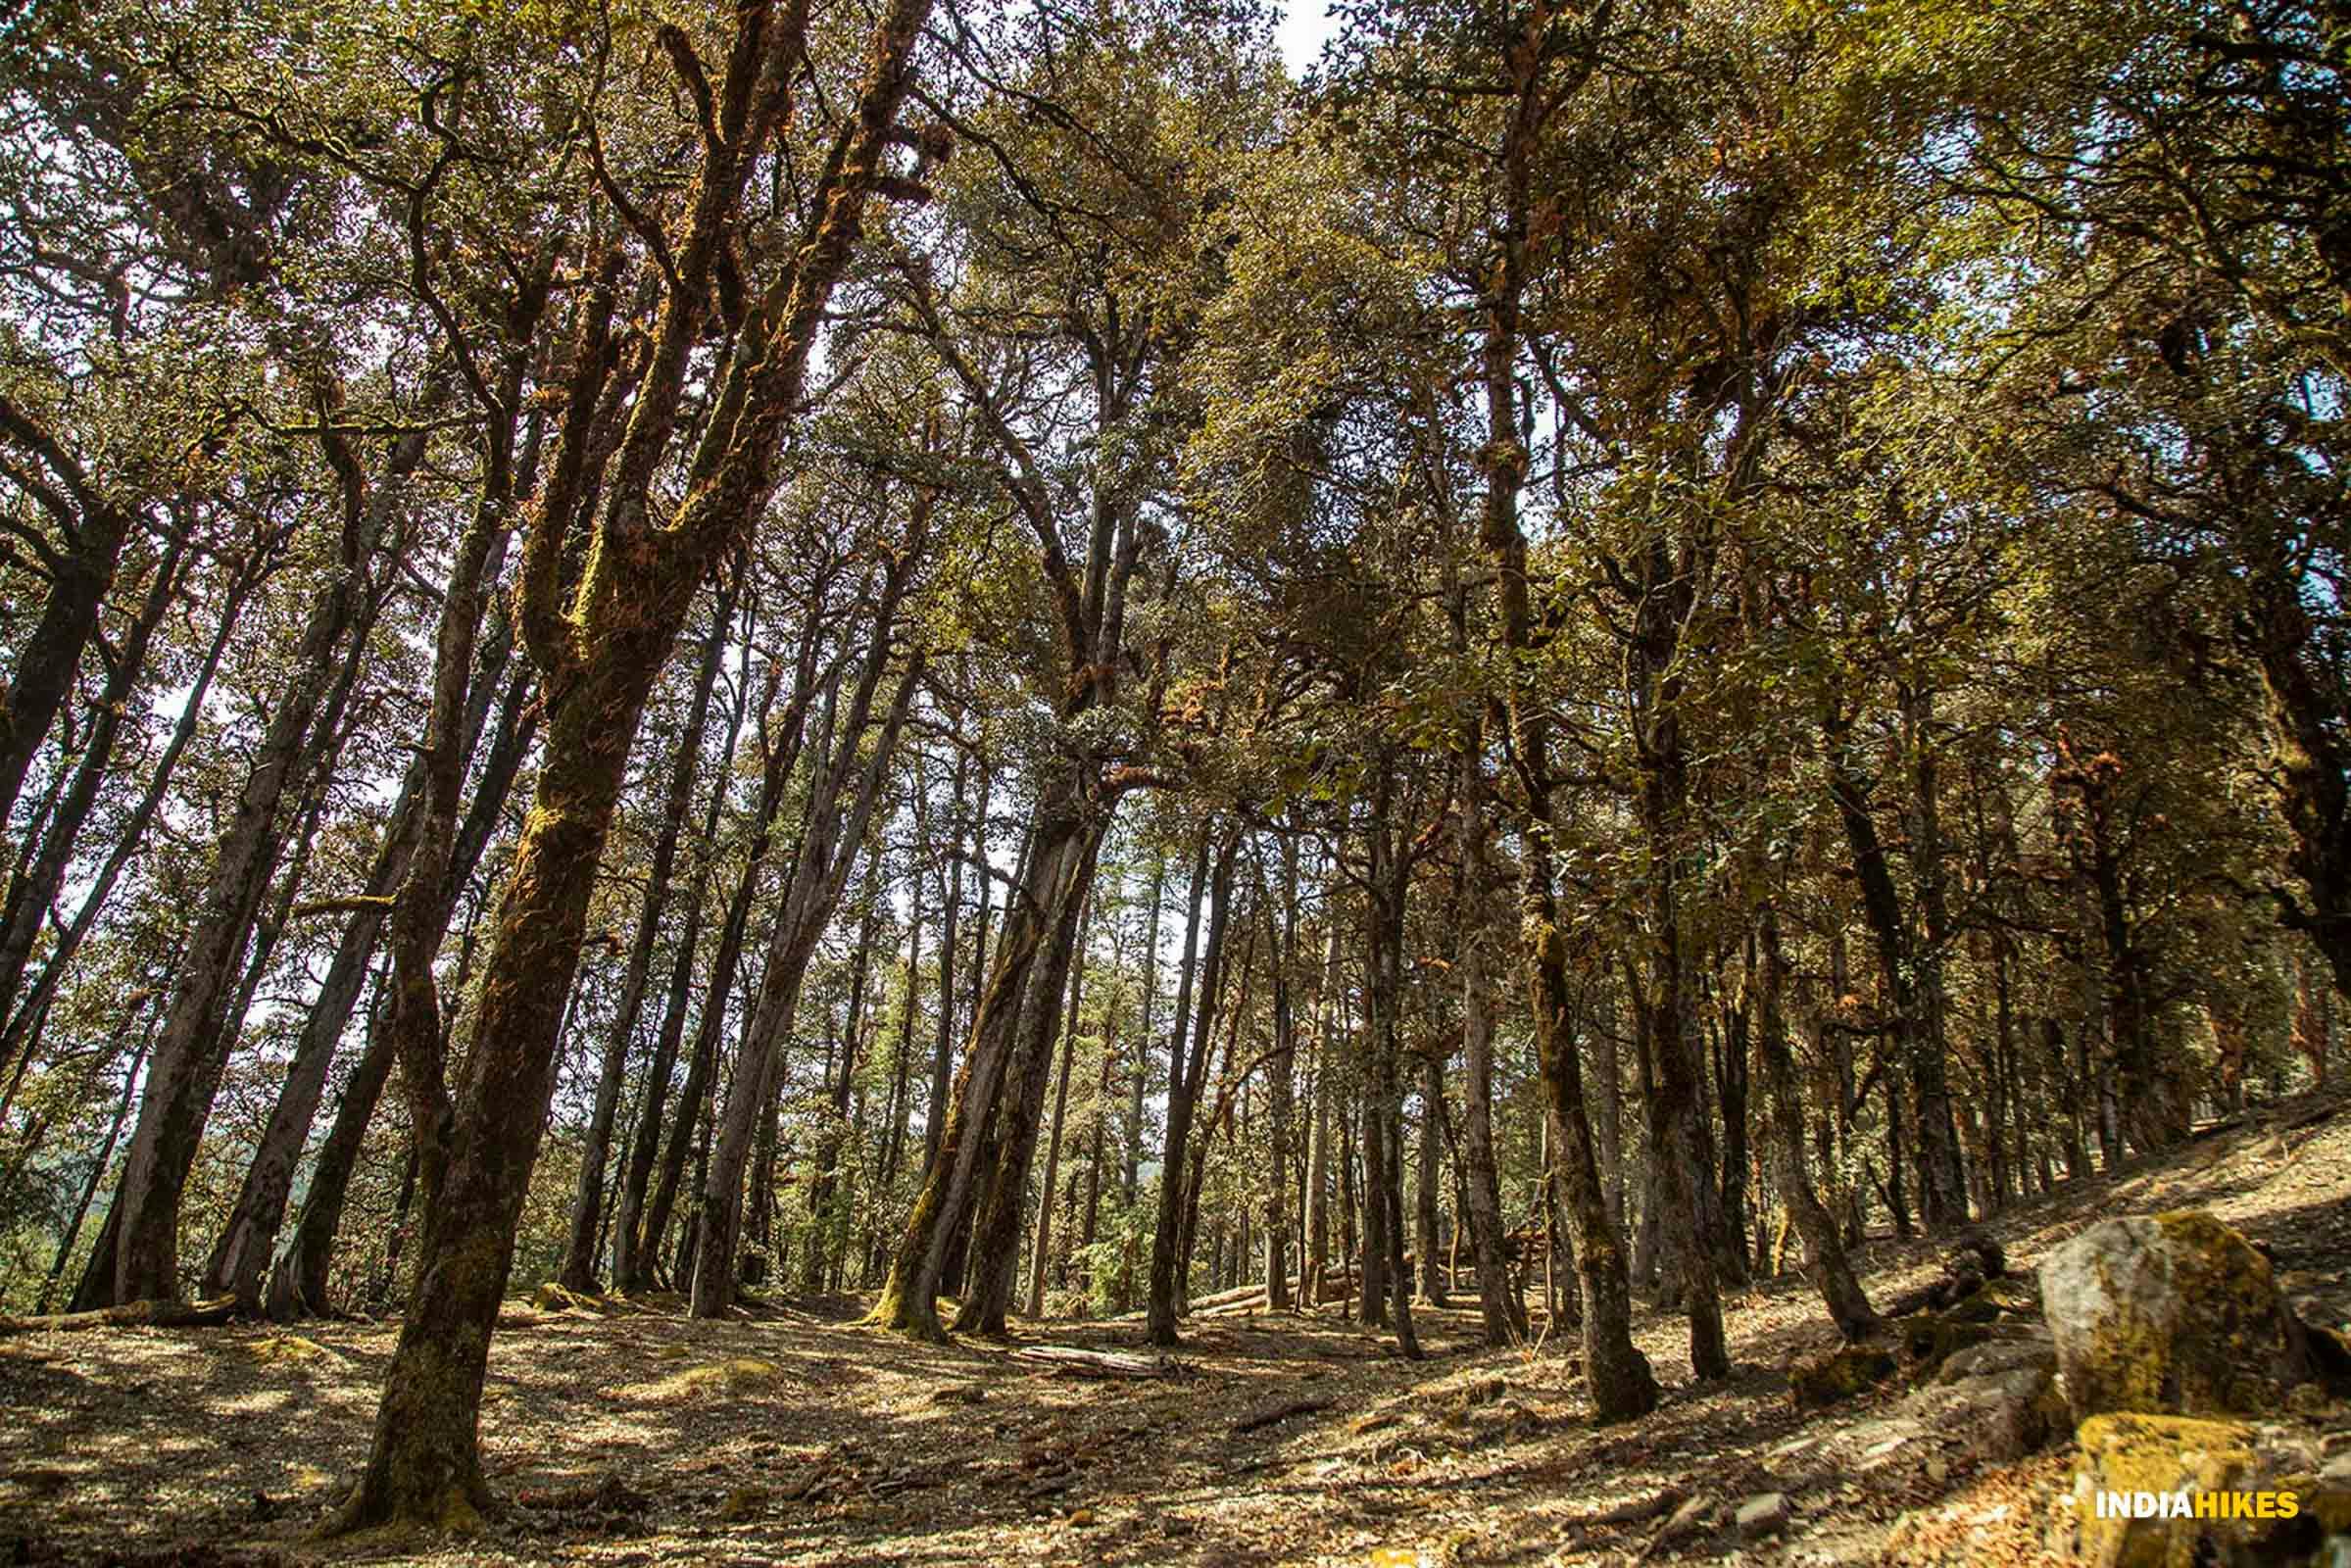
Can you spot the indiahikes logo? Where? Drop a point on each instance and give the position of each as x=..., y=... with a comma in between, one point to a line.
x=2187, y=1504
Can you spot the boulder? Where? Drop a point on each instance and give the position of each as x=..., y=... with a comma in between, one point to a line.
x=2163, y=1456
x=2173, y=1314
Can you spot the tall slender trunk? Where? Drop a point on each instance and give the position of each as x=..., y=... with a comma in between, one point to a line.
x=1318, y=1156
x=1052, y=865
x=1281, y=1071
x=1187, y=1067
x=31, y=895
x=934, y=1117
x=578, y=1271
x=1428, y=1181
x=98, y=1167
x=632, y=1257
x=828, y=1219
x=1619, y=1376
x=80, y=576
x=192, y=1049
x=1824, y=1262
x=1130, y=1170
x=1041, y=1248
x=997, y=1223
x=831, y=838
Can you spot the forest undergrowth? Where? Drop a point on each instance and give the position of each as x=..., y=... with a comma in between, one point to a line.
x=798, y=1436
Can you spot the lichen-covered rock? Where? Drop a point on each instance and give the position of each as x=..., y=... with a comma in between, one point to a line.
x=2173, y=1314
x=2158, y=1454
x=1817, y=1381
x=2163, y=1456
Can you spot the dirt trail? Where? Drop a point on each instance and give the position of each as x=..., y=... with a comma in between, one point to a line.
x=807, y=1439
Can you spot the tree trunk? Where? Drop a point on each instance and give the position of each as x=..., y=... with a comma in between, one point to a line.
x=1185, y=1069
x=1054, y=864
x=996, y=1224
x=832, y=836
x=1824, y=1262
x=1281, y=1070
x=1504, y=1311
x=191, y=1050
x=578, y=1271
x=1041, y=1249
x=602, y=643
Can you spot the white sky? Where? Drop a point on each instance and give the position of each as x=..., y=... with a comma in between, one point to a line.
x=1305, y=25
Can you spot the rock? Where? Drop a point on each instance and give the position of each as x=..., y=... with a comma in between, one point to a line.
x=737, y=1375
x=2166, y=1455
x=2153, y=1453
x=1997, y=1356
x=2173, y=1314
x=1997, y=1416
x=1082, y=1517
x=744, y=1502
x=1633, y=1510
x=288, y=1348
x=1927, y=1340
x=1818, y=1381
x=1767, y=1513
x=553, y=1297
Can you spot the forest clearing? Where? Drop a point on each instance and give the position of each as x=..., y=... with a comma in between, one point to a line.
x=1221, y=780
x=801, y=1437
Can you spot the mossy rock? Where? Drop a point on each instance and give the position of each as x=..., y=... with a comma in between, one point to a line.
x=2165, y=1455
x=553, y=1297
x=2016, y=1295
x=2156, y=1453
x=287, y=1349
x=2174, y=1314
x=738, y=1375
x=1818, y=1381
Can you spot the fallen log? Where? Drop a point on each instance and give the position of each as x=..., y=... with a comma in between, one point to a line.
x=131, y=1314
x=1277, y=1413
x=1076, y=1362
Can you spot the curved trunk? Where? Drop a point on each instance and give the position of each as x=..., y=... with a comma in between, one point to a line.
x=1825, y=1261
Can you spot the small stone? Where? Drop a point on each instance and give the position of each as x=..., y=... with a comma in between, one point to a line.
x=1938, y=1469
x=1764, y=1514
x=1081, y=1518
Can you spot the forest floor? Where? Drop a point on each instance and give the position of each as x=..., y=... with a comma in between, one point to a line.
x=805, y=1438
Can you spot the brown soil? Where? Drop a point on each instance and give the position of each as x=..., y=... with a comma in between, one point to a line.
x=805, y=1438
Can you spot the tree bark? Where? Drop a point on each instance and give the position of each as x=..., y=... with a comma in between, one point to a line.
x=1824, y=1262
x=578, y=1271
x=602, y=642
x=1187, y=1067
x=190, y=1051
